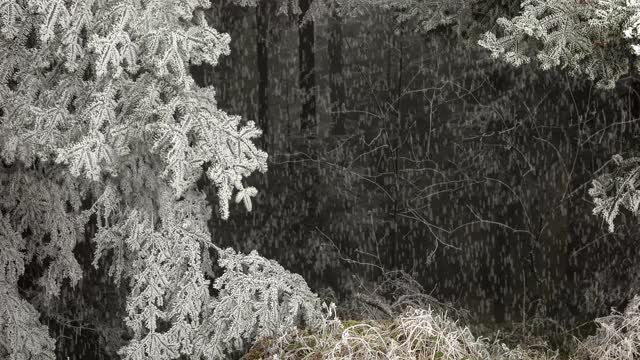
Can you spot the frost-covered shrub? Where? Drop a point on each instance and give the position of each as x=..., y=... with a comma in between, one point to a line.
x=404, y=332
x=417, y=333
x=617, y=337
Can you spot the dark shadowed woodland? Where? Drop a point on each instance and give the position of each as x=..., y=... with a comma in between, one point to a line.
x=420, y=153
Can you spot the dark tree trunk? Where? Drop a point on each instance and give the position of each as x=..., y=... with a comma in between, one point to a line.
x=262, y=58
x=307, y=78
x=628, y=90
x=336, y=79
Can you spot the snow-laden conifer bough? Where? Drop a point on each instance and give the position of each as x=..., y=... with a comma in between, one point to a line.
x=98, y=103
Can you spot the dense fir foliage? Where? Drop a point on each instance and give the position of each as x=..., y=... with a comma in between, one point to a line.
x=584, y=37
x=97, y=102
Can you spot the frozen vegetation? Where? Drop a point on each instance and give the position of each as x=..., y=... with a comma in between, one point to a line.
x=116, y=155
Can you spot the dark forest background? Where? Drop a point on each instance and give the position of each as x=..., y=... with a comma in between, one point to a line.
x=419, y=152
x=402, y=150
